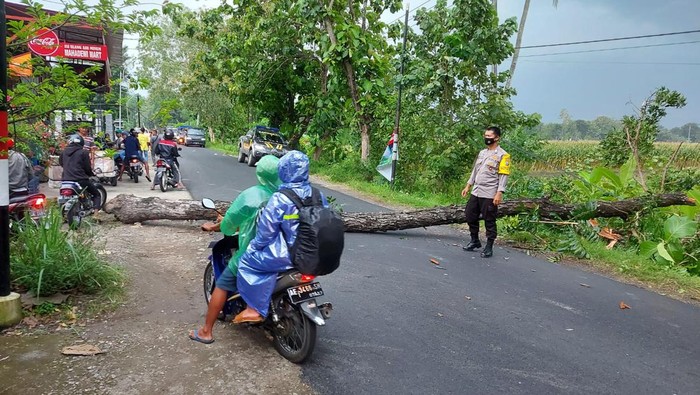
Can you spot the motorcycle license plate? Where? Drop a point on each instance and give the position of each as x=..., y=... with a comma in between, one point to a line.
x=135, y=164
x=304, y=292
x=37, y=213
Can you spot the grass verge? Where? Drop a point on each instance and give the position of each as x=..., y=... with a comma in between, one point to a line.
x=46, y=259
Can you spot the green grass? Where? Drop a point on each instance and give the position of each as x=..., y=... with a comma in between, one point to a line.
x=625, y=262
x=46, y=259
x=225, y=148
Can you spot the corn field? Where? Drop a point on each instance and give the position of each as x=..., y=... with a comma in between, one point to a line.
x=559, y=155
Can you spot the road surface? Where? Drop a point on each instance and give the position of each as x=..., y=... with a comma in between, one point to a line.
x=509, y=324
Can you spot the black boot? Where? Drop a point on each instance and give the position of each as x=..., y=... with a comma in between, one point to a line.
x=488, y=250
x=473, y=244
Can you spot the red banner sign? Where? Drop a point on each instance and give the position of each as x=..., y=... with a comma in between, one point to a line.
x=45, y=43
x=83, y=51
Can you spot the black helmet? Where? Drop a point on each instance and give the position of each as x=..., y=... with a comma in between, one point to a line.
x=169, y=135
x=76, y=139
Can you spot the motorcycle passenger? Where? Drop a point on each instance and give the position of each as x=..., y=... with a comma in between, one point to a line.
x=132, y=148
x=19, y=170
x=76, y=167
x=267, y=254
x=240, y=217
x=167, y=150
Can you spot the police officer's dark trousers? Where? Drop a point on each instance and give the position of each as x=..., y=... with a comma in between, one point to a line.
x=481, y=208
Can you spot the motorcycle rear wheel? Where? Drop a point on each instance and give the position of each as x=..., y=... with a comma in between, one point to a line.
x=164, y=182
x=103, y=195
x=296, y=338
x=73, y=216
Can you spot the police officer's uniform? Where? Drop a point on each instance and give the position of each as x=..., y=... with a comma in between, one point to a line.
x=490, y=175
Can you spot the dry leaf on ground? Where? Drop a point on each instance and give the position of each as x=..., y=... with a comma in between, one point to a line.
x=81, y=349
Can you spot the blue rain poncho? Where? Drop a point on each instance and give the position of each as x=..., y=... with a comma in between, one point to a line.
x=242, y=214
x=267, y=253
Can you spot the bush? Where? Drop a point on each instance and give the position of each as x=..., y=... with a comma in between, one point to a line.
x=45, y=259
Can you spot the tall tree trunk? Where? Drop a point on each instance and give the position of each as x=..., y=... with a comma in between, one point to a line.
x=212, y=136
x=518, y=42
x=354, y=92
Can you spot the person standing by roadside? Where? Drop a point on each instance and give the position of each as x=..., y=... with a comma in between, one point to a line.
x=19, y=171
x=488, y=178
x=89, y=143
x=144, y=142
x=154, y=143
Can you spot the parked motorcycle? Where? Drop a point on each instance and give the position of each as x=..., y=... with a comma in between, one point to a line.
x=27, y=206
x=76, y=202
x=294, y=312
x=105, y=169
x=164, y=175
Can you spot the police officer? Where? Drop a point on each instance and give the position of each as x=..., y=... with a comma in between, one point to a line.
x=488, y=178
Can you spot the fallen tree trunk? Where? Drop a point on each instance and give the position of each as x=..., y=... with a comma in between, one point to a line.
x=130, y=209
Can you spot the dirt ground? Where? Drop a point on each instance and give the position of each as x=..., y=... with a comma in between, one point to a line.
x=147, y=350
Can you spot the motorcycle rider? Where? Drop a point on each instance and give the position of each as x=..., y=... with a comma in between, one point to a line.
x=76, y=167
x=267, y=254
x=166, y=149
x=132, y=147
x=240, y=217
x=19, y=170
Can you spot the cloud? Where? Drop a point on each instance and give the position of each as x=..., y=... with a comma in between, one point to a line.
x=603, y=83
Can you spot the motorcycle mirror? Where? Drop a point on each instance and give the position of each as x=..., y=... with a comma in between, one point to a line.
x=208, y=203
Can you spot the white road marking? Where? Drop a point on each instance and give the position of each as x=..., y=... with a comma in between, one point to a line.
x=563, y=306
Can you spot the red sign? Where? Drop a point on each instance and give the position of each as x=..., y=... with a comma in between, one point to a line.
x=45, y=43
x=83, y=51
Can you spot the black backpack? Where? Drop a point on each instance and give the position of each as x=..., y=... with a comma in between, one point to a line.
x=320, y=235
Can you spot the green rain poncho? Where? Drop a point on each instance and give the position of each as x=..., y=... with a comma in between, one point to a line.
x=242, y=214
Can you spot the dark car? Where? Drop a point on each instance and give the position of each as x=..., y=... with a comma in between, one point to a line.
x=261, y=141
x=195, y=137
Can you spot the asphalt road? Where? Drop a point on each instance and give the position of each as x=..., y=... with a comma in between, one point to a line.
x=509, y=324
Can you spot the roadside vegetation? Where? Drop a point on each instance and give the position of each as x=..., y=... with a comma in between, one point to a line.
x=46, y=258
x=449, y=97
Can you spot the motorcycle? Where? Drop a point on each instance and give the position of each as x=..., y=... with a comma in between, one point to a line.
x=164, y=175
x=76, y=202
x=31, y=206
x=294, y=313
x=134, y=168
x=105, y=169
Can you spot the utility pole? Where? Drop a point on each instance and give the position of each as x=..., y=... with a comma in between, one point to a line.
x=397, y=121
x=10, y=305
x=494, y=67
x=138, y=110
x=121, y=77
x=4, y=181
x=688, y=133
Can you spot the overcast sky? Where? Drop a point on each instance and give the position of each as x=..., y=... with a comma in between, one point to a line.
x=594, y=83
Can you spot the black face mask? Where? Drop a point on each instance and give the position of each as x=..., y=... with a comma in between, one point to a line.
x=489, y=140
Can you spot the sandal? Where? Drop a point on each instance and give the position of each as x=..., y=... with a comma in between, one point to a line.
x=195, y=336
x=239, y=319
